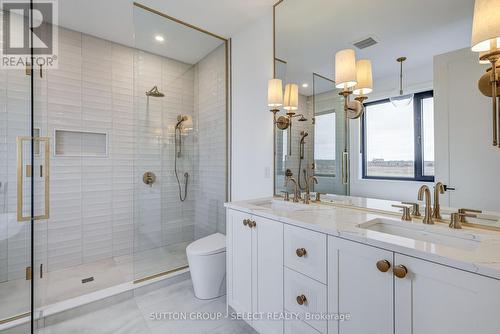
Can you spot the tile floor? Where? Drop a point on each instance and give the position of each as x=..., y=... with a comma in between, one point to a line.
x=133, y=316
x=63, y=284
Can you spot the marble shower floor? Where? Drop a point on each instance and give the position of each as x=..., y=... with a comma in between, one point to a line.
x=66, y=283
x=133, y=316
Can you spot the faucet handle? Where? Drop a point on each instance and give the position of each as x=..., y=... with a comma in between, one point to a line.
x=415, y=208
x=287, y=195
x=406, y=212
x=318, y=197
x=463, y=213
x=458, y=218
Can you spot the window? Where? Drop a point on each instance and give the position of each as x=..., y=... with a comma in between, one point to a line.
x=324, y=144
x=398, y=143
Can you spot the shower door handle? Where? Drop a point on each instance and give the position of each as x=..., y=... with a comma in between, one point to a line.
x=345, y=168
x=20, y=177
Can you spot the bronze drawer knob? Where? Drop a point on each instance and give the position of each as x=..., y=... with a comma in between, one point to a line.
x=252, y=223
x=301, y=300
x=383, y=266
x=301, y=252
x=400, y=271
x=245, y=222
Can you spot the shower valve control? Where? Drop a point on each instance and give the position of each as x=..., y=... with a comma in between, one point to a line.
x=149, y=178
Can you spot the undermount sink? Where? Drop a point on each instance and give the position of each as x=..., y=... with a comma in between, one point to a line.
x=436, y=234
x=284, y=206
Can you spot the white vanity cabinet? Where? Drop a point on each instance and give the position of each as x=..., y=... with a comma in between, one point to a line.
x=358, y=288
x=255, y=269
x=280, y=268
x=436, y=299
x=429, y=299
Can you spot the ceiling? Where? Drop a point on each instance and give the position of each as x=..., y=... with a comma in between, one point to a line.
x=121, y=22
x=309, y=33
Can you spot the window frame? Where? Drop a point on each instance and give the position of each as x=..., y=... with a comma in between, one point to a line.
x=418, y=133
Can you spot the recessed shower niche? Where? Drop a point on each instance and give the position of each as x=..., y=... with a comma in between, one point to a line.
x=80, y=143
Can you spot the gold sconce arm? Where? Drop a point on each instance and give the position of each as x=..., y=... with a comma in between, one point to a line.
x=353, y=109
x=489, y=86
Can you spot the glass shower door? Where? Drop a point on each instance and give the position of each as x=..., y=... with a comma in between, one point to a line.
x=15, y=194
x=331, y=145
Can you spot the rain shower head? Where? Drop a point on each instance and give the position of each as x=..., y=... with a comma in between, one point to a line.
x=154, y=92
x=302, y=119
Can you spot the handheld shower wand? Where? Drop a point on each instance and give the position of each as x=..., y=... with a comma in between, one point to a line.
x=302, y=143
x=178, y=153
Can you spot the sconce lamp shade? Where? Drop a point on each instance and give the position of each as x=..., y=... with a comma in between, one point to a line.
x=486, y=26
x=364, y=77
x=275, y=93
x=291, y=101
x=345, y=69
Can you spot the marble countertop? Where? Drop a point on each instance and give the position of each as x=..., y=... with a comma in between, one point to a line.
x=477, y=251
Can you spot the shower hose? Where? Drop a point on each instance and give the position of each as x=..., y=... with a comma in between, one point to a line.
x=177, y=154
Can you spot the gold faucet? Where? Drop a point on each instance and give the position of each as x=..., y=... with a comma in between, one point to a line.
x=424, y=190
x=438, y=189
x=307, y=196
x=296, y=191
x=406, y=212
x=458, y=218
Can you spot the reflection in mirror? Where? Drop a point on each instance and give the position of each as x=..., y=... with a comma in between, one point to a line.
x=330, y=140
x=442, y=135
x=294, y=145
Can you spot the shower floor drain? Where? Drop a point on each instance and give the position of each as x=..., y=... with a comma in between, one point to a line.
x=87, y=280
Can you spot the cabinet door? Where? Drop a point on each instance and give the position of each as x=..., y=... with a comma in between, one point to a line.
x=356, y=287
x=239, y=262
x=268, y=238
x=435, y=299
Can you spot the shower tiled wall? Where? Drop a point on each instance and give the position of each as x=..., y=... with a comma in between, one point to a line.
x=100, y=207
x=210, y=111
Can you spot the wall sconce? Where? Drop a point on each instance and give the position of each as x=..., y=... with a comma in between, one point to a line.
x=486, y=41
x=290, y=103
x=275, y=95
x=353, y=78
x=364, y=78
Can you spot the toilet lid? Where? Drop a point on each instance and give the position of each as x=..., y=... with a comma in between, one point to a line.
x=213, y=244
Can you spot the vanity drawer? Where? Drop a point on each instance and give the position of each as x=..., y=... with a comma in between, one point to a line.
x=299, y=241
x=303, y=295
x=299, y=327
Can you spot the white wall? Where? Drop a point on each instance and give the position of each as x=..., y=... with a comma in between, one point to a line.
x=252, y=126
x=465, y=156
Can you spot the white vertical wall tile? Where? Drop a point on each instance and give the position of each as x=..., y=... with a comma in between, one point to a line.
x=100, y=206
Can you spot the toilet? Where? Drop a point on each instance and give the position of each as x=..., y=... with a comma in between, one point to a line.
x=207, y=264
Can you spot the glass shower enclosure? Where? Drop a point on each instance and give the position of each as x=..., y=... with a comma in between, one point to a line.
x=111, y=163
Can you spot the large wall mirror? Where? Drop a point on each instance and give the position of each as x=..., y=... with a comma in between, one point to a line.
x=424, y=122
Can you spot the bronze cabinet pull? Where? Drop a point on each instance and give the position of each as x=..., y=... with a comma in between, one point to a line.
x=301, y=252
x=400, y=271
x=301, y=300
x=245, y=222
x=383, y=266
x=252, y=223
